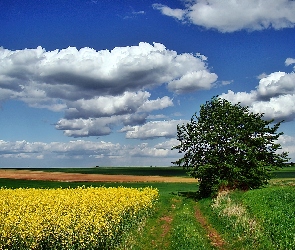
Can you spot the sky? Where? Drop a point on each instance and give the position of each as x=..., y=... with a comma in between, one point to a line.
x=88, y=83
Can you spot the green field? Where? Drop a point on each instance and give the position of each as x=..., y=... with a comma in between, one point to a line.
x=143, y=171
x=257, y=219
x=288, y=172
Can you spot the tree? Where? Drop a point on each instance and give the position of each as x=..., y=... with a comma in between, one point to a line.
x=227, y=146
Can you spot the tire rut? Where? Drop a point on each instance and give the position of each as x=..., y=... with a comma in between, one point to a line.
x=214, y=237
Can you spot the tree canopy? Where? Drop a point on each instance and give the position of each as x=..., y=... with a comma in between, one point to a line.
x=229, y=146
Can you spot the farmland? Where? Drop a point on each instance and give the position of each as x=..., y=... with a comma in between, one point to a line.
x=257, y=219
x=80, y=218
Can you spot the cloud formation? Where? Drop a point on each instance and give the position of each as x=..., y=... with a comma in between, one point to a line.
x=288, y=145
x=230, y=16
x=152, y=129
x=114, y=153
x=71, y=74
x=104, y=106
x=274, y=96
x=80, y=149
x=99, y=89
x=38, y=150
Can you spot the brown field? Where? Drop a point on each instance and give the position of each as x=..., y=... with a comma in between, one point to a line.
x=69, y=177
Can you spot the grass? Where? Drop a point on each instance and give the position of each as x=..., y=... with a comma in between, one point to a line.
x=166, y=189
x=234, y=223
x=173, y=226
x=257, y=219
x=287, y=172
x=274, y=209
x=142, y=171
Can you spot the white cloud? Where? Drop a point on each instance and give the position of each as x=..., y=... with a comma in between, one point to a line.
x=71, y=74
x=157, y=117
x=276, y=83
x=289, y=61
x=85, y=151
x=39, y=150
x=274, y=96
x=243, y=97
x=193, y=81
x=141, y=12
x=288, y=145
x=152, y=129
x=95, y=117
x=159, y=103
x=143, y=150
x=176, y=13
x=167, y=144
x=98, y=88
x=84, y=127
x=226, y=82
x=87, y=127
x=101, y=106
x=278, y=108
x=230, y=16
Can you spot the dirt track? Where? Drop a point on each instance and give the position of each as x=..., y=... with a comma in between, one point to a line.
x=70, y=177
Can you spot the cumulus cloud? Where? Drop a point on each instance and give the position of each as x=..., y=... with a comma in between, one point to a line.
x=176, y=13
x=72, y=74
x=83, y=150
x=168, y=144
x=127, y=103
x=243, y=97
x=161, y=150
x=39, y=150
x=288, y=145
x=289, y=61
x=230, y=16
x=114, y=152
x=87, y=127
x=278, y=108
x=200, y=80
x=81, y=127
x=143, y=150
x=96, y=89
x=152, y=129
x=274, y=96
x=159, y=103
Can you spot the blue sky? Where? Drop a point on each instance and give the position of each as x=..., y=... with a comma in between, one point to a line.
x=97, y=82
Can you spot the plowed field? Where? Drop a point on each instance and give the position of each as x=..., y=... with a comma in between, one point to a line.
x=70, y=177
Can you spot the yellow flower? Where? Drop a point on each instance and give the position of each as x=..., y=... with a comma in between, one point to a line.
x=80, y=216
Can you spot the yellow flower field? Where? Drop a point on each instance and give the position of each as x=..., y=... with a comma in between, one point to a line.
x=80, y=218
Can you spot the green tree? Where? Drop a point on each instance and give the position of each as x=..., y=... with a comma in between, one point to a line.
x=227, y=146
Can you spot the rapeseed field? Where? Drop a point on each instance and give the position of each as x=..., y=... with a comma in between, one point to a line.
x=73, y=218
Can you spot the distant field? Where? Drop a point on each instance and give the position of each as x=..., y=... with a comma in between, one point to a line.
x=141, y=171
x=288, y=172
x=28, y=174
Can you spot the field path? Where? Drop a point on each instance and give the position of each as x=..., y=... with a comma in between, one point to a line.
x=213, y=235
x=71, y=177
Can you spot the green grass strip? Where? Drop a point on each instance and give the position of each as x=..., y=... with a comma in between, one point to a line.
x=274, y=207
x=187, y=233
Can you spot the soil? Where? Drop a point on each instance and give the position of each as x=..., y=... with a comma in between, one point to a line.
x=214, y=237
x=71, y=177
x=167, y=225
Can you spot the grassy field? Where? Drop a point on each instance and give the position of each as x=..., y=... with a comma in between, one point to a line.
x=257, y=219
x=285, y=173
x=142, y=171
